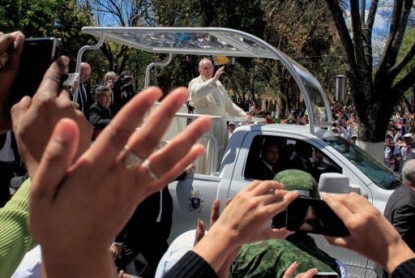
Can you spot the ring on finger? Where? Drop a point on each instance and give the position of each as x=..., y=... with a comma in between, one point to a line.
x=131, y=161
x=153, y=176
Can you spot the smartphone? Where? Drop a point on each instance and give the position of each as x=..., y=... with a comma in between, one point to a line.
x=314, y=216
x=38, y=54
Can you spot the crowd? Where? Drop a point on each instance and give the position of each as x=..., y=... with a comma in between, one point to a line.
x=80, y=195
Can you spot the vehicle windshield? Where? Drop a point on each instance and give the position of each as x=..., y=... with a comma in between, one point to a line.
x=375, y=170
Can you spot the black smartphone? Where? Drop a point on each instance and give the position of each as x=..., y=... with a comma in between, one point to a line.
x=38, y=54
x=314, y=216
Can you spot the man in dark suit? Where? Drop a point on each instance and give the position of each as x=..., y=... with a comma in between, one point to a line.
x=400, y=208
x=146, y=232
x=269, y=162
x=81, y=95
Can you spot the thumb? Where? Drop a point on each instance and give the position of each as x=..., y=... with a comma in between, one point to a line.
x=56, y=159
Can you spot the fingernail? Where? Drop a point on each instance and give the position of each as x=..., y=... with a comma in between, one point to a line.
x=66, y=134
x=63, y=61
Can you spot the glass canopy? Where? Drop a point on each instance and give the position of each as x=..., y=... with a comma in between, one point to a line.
x=210, y=41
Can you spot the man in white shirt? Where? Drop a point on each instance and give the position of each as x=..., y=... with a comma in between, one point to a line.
x=209, y=97
x=207, y=94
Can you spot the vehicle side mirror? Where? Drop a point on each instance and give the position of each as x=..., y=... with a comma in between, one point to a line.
x=336, y=183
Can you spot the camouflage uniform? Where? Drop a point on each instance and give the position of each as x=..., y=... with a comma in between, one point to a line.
x=271, y=258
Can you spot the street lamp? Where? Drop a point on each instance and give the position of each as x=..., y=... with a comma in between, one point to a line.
x=340, y=88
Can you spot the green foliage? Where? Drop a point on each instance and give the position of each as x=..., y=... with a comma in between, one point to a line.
x=60, y=18
x=406, y=45
x=299, y=28
x=304, y=31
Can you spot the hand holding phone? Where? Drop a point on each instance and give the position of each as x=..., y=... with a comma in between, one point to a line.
x=314, y=216
x=37, y=55
x=11, y=46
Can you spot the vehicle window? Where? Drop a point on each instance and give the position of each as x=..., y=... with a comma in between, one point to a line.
x=375, y=170
x=269, y=155
x=264, y=158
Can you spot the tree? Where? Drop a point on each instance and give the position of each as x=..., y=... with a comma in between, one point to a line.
x=410, y=94
x=56, y=18
x=123, y=13
x=375, y=89
x=304, y=31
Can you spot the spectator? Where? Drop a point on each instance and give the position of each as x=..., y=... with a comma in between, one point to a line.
x=352, y=127
x=353, y=139
x=391, y=153
x=231, y=128
x=100, y=113
x=146, y=232
x=293, y=117
x=127, y=91
x=111, y=81
x=268, y=118
x=10, y=165
x=81, y=94
x=405, y=150
x=400, y=208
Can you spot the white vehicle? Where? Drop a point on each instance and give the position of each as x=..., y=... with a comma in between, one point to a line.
x=351, y=168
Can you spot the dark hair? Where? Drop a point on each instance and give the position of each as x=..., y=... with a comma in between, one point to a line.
x=126, y=78
x=100, y=89
x=268, y=143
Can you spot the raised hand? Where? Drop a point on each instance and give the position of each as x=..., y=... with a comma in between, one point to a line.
x=77, y=208
x=245, y=219
x=219, y=72
x=363, y=221
x=34, y=118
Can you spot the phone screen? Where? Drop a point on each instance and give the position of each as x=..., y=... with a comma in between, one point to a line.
x=314, y=216
x=38, y=54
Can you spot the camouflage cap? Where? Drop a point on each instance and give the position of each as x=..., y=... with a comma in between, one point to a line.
x=301, y=181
